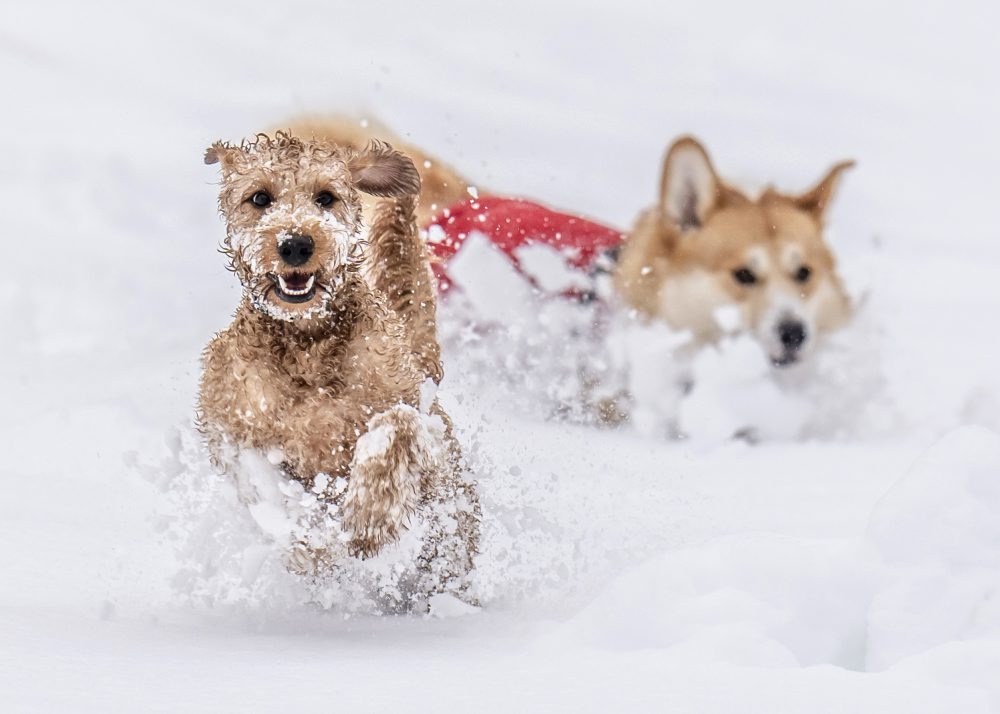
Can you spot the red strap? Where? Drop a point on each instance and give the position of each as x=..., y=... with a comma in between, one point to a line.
x=513, y=223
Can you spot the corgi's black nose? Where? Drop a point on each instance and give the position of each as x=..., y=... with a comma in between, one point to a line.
x=792, y=334
x=296, y=250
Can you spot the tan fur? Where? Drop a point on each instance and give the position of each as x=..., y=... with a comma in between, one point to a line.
x=400, y=270
x=309, y=380
x=376, y=507
x=441, y=186
x=678, y=263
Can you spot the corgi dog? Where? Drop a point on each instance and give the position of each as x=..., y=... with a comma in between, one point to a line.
x=706, y=246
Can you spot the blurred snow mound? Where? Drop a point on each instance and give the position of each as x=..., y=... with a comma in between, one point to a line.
x=919, y=594
x=762, y=601
x=938, y=532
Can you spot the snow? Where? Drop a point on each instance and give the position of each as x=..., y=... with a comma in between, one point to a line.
x=845, y=556
x=938, y=534
x=549, y=269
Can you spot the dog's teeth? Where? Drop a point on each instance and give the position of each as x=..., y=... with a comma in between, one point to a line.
x=294, y=291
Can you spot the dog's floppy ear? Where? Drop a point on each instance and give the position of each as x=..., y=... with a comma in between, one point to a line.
x=689, y=189
x=382, y=171
x=817, y=199
x=220, y=153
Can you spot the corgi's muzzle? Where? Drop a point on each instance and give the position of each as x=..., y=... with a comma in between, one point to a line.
x=792, y=336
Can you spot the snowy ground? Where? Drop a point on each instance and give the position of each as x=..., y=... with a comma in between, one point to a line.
x=855, y=570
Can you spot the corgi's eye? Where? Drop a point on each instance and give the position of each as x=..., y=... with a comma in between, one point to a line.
x=261, y=199
x=803, y=274
x=325, y=199
x=744, y=276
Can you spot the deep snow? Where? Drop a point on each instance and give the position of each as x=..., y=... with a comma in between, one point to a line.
x=850, y=561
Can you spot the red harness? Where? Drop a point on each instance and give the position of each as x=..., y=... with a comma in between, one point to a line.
x=511, y=224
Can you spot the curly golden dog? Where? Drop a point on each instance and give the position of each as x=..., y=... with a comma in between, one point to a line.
x=330, y=365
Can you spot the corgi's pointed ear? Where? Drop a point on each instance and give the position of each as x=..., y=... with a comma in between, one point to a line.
x=380, y=170
x=689, y=189
x=817, y=199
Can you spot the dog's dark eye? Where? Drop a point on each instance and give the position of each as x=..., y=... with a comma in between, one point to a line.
x=325, y=199
x=803, y=274
x=261, y=199
x=744, y=276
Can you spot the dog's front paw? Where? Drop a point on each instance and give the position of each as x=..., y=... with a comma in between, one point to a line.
x=375, y=520
x=390, y=461
x=367, y=541
x=300, y=560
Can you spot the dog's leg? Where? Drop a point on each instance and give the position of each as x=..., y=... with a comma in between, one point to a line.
x=451, y=515
x=392, y=461
x=400, y=270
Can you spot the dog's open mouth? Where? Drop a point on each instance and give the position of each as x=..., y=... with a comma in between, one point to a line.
x=295, y=287
x=785, y=360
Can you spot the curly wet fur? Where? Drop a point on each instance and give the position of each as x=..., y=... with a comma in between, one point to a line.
x=311, y=380
x=441, y=186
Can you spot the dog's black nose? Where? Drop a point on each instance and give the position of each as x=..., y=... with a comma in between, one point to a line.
x=792, y=334
x=296, y=250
